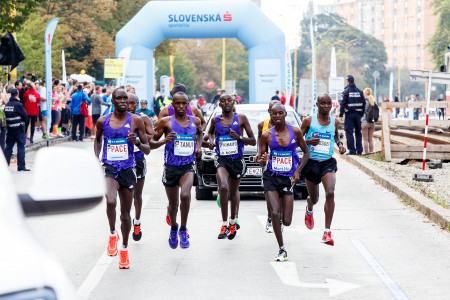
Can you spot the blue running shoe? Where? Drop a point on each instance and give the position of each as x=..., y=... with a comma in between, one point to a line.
x=173, y=238
x=184, y=239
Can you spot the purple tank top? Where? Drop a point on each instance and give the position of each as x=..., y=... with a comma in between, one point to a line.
x=283, y=161
x=181, y=151
x=171, y=110
x=226, y=145
x=117, y=151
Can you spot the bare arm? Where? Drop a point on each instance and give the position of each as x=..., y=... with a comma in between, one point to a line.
x=139, y=127
x=98, y=136
x=198, y=114
x=198, y=137
x=263, y=146
x=299, y=136
x=163, y=113
x=342, y=149
x=250, y=140
x=162, y=128
x=148, y=127
x=211, y=135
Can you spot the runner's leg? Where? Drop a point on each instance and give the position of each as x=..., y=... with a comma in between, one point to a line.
x=313, y=191
x=172, y=208
x=222, y=180
x=287, y=208
x=234, y=196
x=112, y=187
x=138, y=198
x=275, y=208
x=126, y=200
x=329, y=182
x=186, y=182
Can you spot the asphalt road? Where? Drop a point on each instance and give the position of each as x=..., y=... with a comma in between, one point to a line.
x=383, y=249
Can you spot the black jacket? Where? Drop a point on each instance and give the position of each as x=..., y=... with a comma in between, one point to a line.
x=16, y=115
x=353, y=101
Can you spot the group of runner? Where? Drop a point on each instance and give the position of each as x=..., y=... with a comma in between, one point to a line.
x=123, y=138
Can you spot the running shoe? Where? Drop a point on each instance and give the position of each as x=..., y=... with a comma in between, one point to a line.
x=282, y=255
x=112, y=244
x=269, y=227
x=124, y=262
x=137, y=233
x=232, y=232
x=327, y=238
x=173, y=238
x=45, y=136
x=223, y=232
x=238, y=226
x=168, y=220
x=309, y=219
x=184, y=239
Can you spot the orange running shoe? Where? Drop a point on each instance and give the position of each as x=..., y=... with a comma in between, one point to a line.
x=309, y=219
x=112, y=245
x=232, y=232
x=137, y=233
x=327, y=238
x=124, y=262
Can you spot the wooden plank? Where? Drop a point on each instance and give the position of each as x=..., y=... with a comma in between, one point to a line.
x=418, y=148
x=419, y=155
x=421, y=123
x=433, y=104
x=432, y=138
x=385, y=133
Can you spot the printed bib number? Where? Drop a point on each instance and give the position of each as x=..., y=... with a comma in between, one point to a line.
x=117, y=149
x=282, y=161
x=184, y=145
x=228, y=145
x=324, y=143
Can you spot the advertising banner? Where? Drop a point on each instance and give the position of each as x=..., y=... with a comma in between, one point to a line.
x=114, y=68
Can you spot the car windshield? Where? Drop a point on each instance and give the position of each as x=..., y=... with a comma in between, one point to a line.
x=256, y=116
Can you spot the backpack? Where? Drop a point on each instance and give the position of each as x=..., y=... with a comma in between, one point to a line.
x=372, y=113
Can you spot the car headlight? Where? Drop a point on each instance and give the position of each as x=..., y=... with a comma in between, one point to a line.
x=208, y=155
x=39, y=293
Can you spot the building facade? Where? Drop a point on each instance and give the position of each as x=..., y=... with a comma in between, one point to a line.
x=404, y=26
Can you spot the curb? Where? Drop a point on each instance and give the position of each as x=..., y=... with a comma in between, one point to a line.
x=407, y=195
x=43, y=143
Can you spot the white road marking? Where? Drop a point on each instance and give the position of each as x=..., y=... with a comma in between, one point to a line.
x=378, y=269
x=287, y=271
x=100, y=268
x=298, y=228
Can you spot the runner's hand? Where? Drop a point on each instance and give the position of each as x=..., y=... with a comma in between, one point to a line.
x=233, y=134
x=295, y=177
x=342, y=149
x=211, y=146
x=314, y=141
x=132, y=138
x=198, y=152
x=261, y=159
x=169, y=138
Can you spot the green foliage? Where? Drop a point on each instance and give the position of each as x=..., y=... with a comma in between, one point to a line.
x=441, y=38
x=362, y=53
x=14, y=13
x=184, y=70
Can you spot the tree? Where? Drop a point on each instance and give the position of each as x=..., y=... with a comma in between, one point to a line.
x=441, y=38
x=14, y=13
x=184, y=70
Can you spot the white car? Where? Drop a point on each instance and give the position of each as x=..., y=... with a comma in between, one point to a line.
x=27, y=270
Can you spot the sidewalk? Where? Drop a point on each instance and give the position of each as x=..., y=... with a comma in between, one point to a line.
x=409, y=196
x=39, y=142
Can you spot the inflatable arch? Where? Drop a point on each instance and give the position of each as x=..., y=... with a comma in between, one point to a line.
x=241, y=19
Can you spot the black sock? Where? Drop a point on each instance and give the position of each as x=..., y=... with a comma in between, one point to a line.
x=183, y=228
x=175, y=227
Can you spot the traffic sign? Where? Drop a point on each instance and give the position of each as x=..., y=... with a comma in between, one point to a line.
x=422, y=76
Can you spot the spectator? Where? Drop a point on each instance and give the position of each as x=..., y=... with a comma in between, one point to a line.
x=77, y=119
x=145, y=110
x=416, y=110
x=397, y=110
x=31, y=100
x=217, y=97
x=16, y=117
x=276, y=96
x=2, y=123
x=97, y=102
x=194, y=102
x=353, y=104
x=441, y=111
x=367, y=128
x=283, y=98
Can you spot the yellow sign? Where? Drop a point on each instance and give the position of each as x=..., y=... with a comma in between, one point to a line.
x=113, y=68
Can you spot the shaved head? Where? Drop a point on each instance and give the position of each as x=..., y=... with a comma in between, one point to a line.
x=278, y=105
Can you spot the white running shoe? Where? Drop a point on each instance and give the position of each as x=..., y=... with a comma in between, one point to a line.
x=282, y=256
x=269, y=228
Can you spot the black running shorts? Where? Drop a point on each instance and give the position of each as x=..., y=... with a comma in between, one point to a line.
x=235, y=167
x=282, y=184
x=172, y=174
x=314, y=170
x=126, y=178
x=141, y=168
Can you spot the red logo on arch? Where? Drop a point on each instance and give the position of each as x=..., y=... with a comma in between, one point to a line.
x=48, y=38
x=227, y=17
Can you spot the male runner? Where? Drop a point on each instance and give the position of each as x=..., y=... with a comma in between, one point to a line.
x=141, y=167
x=263, y=127
x=321, y=130
x=183, y=135
x=119, y=136
x=226, y=135
x=283, y=170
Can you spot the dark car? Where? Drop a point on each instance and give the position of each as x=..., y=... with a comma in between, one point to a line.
x=251, y=181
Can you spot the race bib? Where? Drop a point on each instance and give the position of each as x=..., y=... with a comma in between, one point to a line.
x=117, y=149
x=184, y=145
x=282, y=161
x=228, y=145
x=324, y=143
